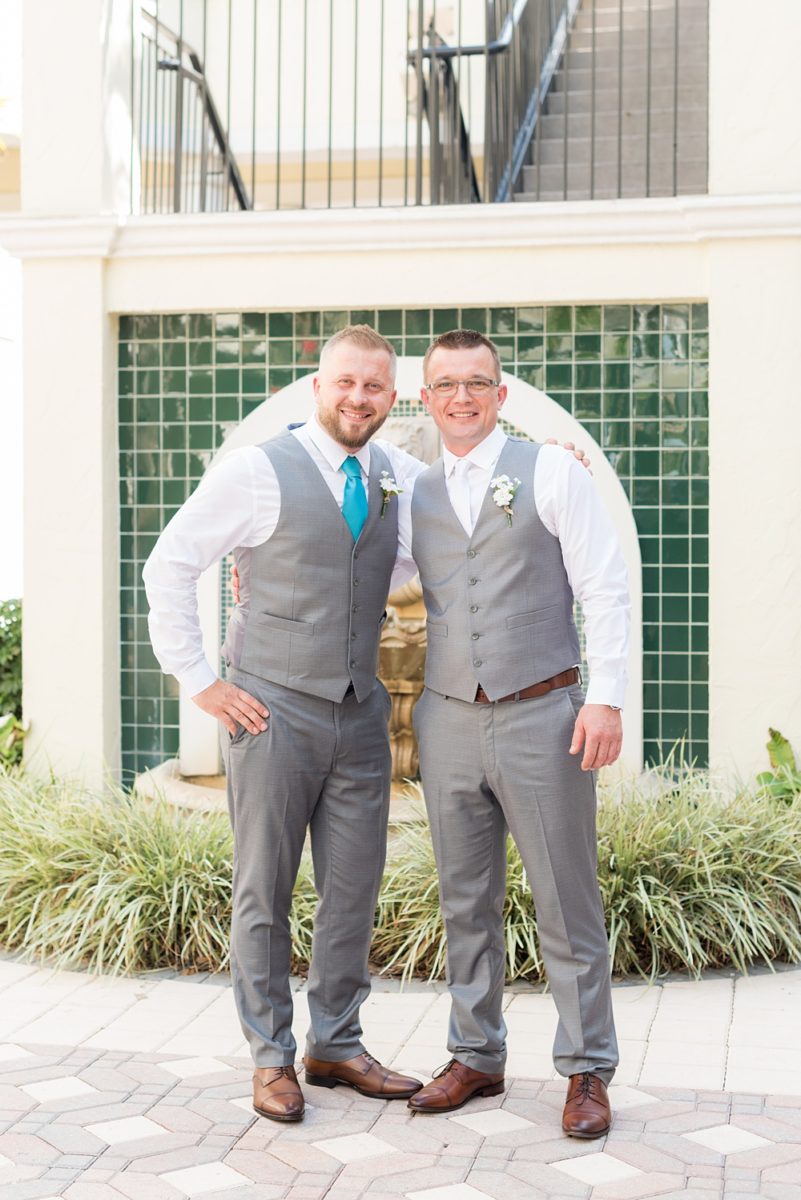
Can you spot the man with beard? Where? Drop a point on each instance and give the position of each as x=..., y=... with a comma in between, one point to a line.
x=312, y=517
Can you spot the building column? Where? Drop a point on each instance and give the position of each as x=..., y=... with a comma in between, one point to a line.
x=75, y=165
x=755, y=375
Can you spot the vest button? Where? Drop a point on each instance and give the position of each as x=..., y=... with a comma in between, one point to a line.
x=355, y=553
x=475, y=636
x=354, y=608
x=353, y=662
x=353, y=637
x=474, y=608
x=477, y=662
x=472, y=582
x=355, y=583
x=471, y=553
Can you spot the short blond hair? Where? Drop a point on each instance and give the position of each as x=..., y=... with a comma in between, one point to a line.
x=364, y=336
x=462, y=339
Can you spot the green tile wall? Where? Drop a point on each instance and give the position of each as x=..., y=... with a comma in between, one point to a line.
x=634, y=375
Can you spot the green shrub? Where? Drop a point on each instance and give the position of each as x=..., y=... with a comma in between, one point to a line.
x=11, y=657
x=690, y=878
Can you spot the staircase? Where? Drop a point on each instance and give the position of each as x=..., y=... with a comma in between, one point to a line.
x=626, y=113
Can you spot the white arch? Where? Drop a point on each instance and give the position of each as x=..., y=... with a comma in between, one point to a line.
x=529, y=410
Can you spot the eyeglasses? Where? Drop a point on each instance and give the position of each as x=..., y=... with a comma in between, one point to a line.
x=446, y=389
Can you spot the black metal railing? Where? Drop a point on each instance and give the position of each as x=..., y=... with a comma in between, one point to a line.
x=185, y=159
x=275, y=104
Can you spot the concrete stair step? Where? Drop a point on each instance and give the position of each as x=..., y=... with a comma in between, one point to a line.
x=635, y=79
x=691, y=175
x=628, y=192
x=636, y=17
x=633, y=149
x=693, y=97
x=635, y=58
x=579, y=124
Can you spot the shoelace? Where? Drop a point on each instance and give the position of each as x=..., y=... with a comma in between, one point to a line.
x=280, y=1072
x=585, y=1092
x=449, y=1066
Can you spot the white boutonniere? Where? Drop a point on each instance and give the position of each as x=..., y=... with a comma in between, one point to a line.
x=503, y=493
x=388, y=488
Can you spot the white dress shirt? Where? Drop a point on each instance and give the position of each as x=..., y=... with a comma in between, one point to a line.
x=569, y=507
x=236, y=506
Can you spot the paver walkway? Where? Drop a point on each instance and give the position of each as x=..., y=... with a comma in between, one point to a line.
x=140, y=1088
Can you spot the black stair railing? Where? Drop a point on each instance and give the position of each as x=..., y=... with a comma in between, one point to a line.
x=525, y=40
x=185, y=159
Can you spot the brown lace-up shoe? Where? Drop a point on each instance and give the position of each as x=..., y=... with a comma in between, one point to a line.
x=365, y=1074
x=453, y=1086
x=277, y=1094
x=587, y=1112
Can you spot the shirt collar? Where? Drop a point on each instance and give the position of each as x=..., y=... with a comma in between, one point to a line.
x=484, y=455
x=332, y=452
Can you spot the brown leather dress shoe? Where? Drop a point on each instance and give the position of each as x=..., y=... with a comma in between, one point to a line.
x=453, y=1086
x=277, y=1094
x=365, y=1074
x=587, y=1113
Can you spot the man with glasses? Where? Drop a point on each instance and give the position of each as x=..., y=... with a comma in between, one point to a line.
x=505, y=534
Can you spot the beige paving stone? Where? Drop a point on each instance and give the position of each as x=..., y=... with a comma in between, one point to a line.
x=766, y=1156
x=681, y=1148
x=554, y=1183
x=263, y=1167
x=24, y=1149
x=502, y=1186
x=647, y=1158
x=176, y=1160
x=85, y=1189
x=638, y=1188
x=404, y=1182
x=394, y=1164
x=304, y=1156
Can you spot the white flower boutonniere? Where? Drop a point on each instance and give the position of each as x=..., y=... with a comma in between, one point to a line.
x=388, y=488
x=503, y=493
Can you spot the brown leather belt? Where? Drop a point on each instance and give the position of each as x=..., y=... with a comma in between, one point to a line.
x=566, y=679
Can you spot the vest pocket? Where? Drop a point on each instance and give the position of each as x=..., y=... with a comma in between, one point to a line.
x=268, y=621
x=532, y=618
x=436, y=628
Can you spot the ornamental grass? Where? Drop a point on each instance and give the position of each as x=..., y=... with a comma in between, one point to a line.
x=691, y=877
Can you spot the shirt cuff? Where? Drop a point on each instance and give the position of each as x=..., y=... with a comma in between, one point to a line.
x=606, y=689
x=197, y=678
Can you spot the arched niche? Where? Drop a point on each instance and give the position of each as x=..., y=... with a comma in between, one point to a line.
x=533, y=414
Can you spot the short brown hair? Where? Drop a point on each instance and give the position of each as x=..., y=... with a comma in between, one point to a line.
x=364, y=336
x=462, y=339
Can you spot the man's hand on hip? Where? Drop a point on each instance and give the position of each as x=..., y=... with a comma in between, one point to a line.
x=232, y=706
x=599, y=729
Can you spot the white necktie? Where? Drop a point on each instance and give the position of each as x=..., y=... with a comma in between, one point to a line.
x=460, y=494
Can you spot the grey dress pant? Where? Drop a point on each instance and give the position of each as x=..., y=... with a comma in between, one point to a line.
x=325, y=767
x=486, y=769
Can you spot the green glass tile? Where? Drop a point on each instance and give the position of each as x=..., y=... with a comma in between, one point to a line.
x=700, y=520
x=644, y=376
x=649, y=549
x=700, y=316
x=226, y=380
x=699, y=638
x=652, y=752
x=588, y=375
x=650, y=696
x=125, y=355
x=506, y=349
x=201, y=437
x=674, y=696
x=699, y=462
x=645, y=317
x=197, y=463
x=675, y=433
x=250, y=405
x=281, y=354
x=675, y=582
x=147, y=492
x=471, y=318
x=129, y=578
x=390, y=322
x=126, y=437
x=254, y=352
x=651, y=580
x=650, y=668
x=675, y=550
x=645, y=404
x=645, y=345
x=201, y=408
x=620, y=461
x=175, y=465
x=646, y=462
x=282, y=325
x=502, y=320
x=587, y=405
x=174, y=354
x=148, y=519
x=416, y=345
x=645, y=491
x=280, y=377
x=675, y=317
x=175, y=326
x=171, y=741
x=617, y=405
x=530, y=349
x=675, y=521
x=174, y=383
x=559, y=346
x=699, y=697
x=675, y=345
x=699, y=492
x=699, y=667
x=175, y=493
x=676, y=375
x=147, y=436
x=200, y=382
x=645, y=433
x=254, y=324
x=592, y=428
x=699, y=346
x=148, y=355
x=143, y=545
x=588, y=318
x=126, y=520
x=563, y=400
x=307, y=352
x=529, y=320
x=699, y=578
x=676, y=608
x=533, y=375
x=125, y=410
x=675, y=462
x=226, y=408
x=615, y=434
x=651, y=609
x=674, y=726
x=587, y=346
x=617, y=318
x=558, y=376
x=148, y=383
x=200, y=326
x=362, y=316
x=617, y=375
x=174, y=437
x=148, y=684
x=699, y=377
x=126, y=328
x=647, y=520
x=699, y=404
x=226, y=351
x=174, y=408
x=418, y=322
x=650, y=638
x=699, y=433
x=126, y=383
x=616, y=345
x=333, y=321
x=674, y=666
x=200, y=353
x=227, y=325
x=445, y=319
x=146, y=326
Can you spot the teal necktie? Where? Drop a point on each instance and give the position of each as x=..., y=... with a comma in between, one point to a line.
x=354, y=505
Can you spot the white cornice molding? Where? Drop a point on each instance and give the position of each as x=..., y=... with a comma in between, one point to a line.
x=670, y=221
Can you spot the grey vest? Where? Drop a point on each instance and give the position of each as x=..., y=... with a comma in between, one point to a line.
x=317, y=600
x=499, y=604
